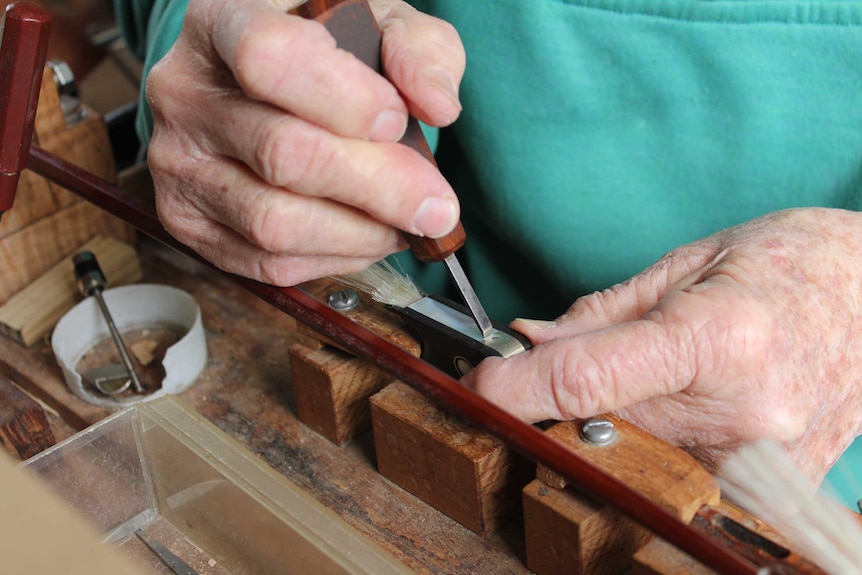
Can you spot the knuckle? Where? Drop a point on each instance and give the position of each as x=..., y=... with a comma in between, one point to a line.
x=293, y=158
x=266, y=225
x=257, y=71
x=157, y=86
x=175, y=218
x=251, y=48
x=577, y=385
x=279, y=271
x=169, y=99
x=595, y=304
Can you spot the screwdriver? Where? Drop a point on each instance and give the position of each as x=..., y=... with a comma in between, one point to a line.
x=91, y=282
x=352, y=24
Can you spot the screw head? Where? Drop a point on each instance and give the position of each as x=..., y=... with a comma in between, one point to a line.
x=343, y=300
x=598, y=431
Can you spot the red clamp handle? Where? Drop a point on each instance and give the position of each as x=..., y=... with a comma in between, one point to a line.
x=24, y=49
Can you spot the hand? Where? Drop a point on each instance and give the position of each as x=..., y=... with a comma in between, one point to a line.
x=753, y=332
x=274, y=152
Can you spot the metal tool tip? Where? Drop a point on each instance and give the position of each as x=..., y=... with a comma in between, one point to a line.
x=469, y=295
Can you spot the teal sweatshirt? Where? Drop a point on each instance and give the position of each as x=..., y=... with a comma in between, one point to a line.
x=599, y=134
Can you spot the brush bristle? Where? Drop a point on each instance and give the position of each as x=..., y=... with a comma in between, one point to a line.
x=764, y=480
x=384, y=284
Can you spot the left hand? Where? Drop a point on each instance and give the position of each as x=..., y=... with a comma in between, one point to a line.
x=753, y=332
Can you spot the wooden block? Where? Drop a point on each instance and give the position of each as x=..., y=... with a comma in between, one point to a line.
x=659, y=557
x=24, y=428
x=469, y=475
x=332, y=390
x=33, y=312
x=665, y=474
x=46, y=222
x=331, y=386
x=571, y=534
x=604, y=540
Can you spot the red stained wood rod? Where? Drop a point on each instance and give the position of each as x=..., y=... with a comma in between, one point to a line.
x=525, y=438
x=24, y=48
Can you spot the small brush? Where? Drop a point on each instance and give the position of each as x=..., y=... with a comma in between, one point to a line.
x=384, y=284
x=763, y=479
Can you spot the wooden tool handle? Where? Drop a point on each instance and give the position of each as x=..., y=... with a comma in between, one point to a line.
x=355, y=29
x=23, y=52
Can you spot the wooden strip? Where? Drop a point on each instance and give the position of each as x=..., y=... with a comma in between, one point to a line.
x=26, y=254
x=32, y=312
x=565, y=533
x=24, y=427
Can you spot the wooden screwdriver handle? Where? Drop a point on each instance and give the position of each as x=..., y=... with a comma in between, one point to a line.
x=355, y=29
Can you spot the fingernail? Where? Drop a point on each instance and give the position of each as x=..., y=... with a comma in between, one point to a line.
x=435, y=217
x=440, y=79
x=534, y=324
x=389, y=126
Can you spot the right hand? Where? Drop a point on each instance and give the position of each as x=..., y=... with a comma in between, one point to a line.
x=274, y=153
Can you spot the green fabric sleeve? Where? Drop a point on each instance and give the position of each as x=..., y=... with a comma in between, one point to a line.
x=150, y=27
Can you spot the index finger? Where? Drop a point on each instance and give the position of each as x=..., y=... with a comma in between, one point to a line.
x=294, y=64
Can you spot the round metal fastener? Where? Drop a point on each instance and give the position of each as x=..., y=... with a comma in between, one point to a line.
x=598, y=431
x=343, y=300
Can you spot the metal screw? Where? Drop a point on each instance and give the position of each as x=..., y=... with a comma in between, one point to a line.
x=70, y=101
x=343, y=300
x=598, y=431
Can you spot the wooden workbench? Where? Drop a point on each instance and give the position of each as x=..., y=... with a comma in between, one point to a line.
x=246, y=391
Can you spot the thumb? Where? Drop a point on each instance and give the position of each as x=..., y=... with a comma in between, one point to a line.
x=590, y=373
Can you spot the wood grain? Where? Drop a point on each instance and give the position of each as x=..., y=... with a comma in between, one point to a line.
x=332, y=390
x=572, y=534
x=468, y=474
x=47, y=222
x=567, y=531
x=246, y=391
x=24, y=427
x=32, y=312
x=663, y=473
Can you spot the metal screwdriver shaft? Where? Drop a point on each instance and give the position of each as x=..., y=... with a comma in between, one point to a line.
x=91, y=282
x=469, y=295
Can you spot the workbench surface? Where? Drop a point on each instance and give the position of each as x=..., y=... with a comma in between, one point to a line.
x=246, y=391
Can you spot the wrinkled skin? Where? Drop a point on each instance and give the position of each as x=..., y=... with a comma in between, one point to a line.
x=274, y=157
x=753, y=332
x=273, y=151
